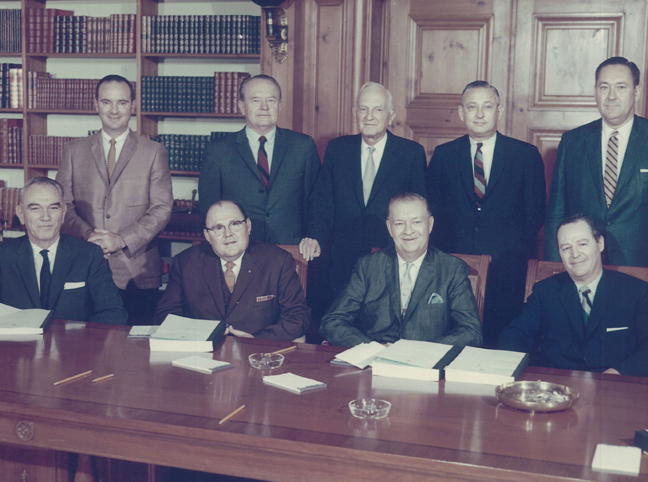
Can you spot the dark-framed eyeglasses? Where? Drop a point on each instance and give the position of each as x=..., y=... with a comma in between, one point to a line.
x=233, y=226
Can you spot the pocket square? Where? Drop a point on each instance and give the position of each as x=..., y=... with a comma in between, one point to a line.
x=72, y=285
x=264, y=298
x=616, y=328
x=435, y=299
x=643, y=170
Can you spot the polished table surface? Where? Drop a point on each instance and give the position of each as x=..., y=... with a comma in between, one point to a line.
x=154, y=413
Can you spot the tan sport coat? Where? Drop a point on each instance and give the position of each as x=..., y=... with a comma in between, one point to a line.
x=136, y=203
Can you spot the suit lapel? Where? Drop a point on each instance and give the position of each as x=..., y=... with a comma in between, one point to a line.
x=211, y=268
x=130, y=146
x=244, y=150
x=570, y=300
x=423, y=280
x=355, y=167
x=278, y=154
x=637, y=146
x=603, y=302
x=465, y=165
x=388, y=162
x=594, y=156
x=62, y=264
x=498, y=165
x=96, y=147
x=246, y=273
x=393, y=285
x=25, y=265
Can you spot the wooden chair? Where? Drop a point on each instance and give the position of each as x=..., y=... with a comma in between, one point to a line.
x=539, y=270
x=301, y=265
x=478, y=265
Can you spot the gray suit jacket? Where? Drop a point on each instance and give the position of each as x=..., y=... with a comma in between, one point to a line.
x=278, y=215
x=136, y=203
x=442, y=307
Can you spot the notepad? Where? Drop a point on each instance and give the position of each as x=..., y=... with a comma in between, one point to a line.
x=293, y=383
x=487, y=367
x=359, y=356
x=414, y=360
x=616, y=458
x=14, y=321
x=142, y=331
x=201, y=364
x=177, y=333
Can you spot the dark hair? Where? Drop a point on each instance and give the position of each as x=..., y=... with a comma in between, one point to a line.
x=260, y=77
x=408, y=197
x=574, y=218
x=221, y=203
x=115, y=78
x=634, y=70
x=480, y=84
x=40, y=181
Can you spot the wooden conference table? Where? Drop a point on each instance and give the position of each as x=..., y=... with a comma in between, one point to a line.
x=154, y=413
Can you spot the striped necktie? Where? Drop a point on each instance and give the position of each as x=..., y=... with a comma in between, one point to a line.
x=611, y=168
x=586, y=303
x=262, y=162
x=480, y=175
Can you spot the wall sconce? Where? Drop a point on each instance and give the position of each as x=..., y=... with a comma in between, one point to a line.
x=276, y=27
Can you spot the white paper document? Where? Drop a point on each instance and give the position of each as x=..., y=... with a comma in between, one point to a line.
x=423, y=354
x=201, y=364
x=294, y=383
x=616, y=458
x=177, y=333
x=489, y=367
x=360, y=355
x=142, y=331
x=14, y=321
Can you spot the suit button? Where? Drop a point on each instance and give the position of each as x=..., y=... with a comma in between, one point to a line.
x=476, y=229
x=107, y=216
x=261, y=191
x=609, y=223
x=267, y=215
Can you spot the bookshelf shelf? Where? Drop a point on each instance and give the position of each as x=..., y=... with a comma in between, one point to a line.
x=61, y=111
x=11, y=166
x=242, y=57
x=186, y=173
x=44, y=166
x=212, y=115
x=11, y=111
x=54, y=55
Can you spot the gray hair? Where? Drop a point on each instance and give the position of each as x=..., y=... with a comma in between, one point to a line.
x=376, y=85
x=480, y=84
x=40, y=181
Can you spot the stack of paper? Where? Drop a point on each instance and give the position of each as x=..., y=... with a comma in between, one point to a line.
x=488, y=367
x=142, y=331
x=14, y=321
x=201, y=364
x=359, y=356
x=177, y=333
x=293, y=383
x=616, y=458
x=415, y=360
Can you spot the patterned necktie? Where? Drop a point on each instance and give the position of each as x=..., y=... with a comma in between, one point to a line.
x=586, y=303
x=45, y=279
x=611, y=168
x=112, y=154
x=230, y=279
x=406, y=288
x=262, y=162
x=480, y=176
x=369, y=175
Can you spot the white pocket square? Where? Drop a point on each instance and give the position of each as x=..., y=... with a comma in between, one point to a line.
x=616, y=328
x=435, y=299
x=643, y=170
x=72, y=285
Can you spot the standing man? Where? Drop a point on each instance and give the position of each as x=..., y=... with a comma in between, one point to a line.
x=602, y=170
x=118, y=195
x=487, y=193
x=268, y=170
x=359, y=176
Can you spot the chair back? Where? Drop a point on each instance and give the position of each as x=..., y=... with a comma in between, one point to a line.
x=478, y=265
x=301, y=265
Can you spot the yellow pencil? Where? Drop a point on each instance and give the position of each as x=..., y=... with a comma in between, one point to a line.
x=240, y=409
x=285, y=350
x=101, y=379
x=73, y=379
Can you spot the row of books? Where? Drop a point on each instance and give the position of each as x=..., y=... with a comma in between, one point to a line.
x=10, y=41
x=201, y=34
x=11, y=141
x=47, y=150
x=45, y=92
x=8, y=203
x=185, y=151
x=219, y=94
x=10, y=86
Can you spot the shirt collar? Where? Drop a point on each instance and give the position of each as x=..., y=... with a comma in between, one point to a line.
x=120, y=138
x=490, y=142
x=237, y=261
x=52, y=249
x=417, y=262
x=592, y=285
x=379, y=146
x=253, y=136
x=624, y=130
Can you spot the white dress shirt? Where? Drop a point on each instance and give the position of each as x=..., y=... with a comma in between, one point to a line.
x=253, y=139
x=377, y=155
x=38, y=259
x=488, y=148
x=592, y=287
x=414, y=270
x=236, y=269
x=119, y=144
x=622, y=136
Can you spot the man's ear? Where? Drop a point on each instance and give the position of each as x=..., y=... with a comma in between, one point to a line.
x=460, y=109
x=20, y=213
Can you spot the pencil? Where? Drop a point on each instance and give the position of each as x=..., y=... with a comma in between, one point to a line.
x=240, y=409
x=285, y=350
x=101, y=379
x=73, y=379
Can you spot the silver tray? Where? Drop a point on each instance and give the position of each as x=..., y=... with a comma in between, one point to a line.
x=536, y=396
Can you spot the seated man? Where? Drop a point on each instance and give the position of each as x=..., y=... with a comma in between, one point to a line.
x=54, y=271
x=409, y=291
x=251, y=286
x=588, y=318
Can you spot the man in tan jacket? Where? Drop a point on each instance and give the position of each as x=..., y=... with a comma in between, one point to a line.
x=118, y=195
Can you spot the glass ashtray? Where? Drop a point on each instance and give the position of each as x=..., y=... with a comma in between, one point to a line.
x=266, y=361
x=369, y=408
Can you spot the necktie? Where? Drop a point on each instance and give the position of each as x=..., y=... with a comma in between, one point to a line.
x=586, y=303
x=369, y=175
x=480, y=176
x=262, y=162
x=230, y=279
x=45, y=279
x=112, y=153
x=406, y=288
x=611, y=168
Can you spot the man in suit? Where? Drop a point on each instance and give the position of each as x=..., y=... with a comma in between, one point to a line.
x=587, y=318
x=251, y=286
x=408, y=291
x=118, y=195
x=268, y=170
x=487, y=194
x=49, y=270
x=602, y=170
x=359, y=175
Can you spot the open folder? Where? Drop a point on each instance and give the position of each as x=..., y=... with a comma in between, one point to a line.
x=14, y=321
x=177, y=333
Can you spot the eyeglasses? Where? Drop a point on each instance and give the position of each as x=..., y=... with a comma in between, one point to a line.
x=233, y=226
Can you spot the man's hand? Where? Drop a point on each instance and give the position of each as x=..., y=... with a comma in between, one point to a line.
x=612, y=371
x=309, y=248
x=243, y=334
x=109, y=242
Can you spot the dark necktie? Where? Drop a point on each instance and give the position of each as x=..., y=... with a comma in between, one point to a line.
x=586, y=303
x=262, y=162
x=45, y=279
x=230, y=279
x=480, y=176
x=611, y=168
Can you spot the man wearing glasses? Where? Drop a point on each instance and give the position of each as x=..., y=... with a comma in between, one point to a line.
x=251, y=286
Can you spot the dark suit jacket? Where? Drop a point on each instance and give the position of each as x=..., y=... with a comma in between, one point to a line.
x=196, y=284
x=77, y=262
x=512, y=210
x=228, y=171
x=338, y=202
x=136, y=203
x=369, y=308
x=616, y=335
x=577, y=187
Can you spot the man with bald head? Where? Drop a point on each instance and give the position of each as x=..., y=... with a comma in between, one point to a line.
x=251, y=286
x=359, y=175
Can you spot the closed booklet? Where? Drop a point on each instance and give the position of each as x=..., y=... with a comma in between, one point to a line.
x=293, y=383
x=201, y=364
x=359, y=356
x=488, y=367
x=177, y=333
x=14, y=321
x=415, y=360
